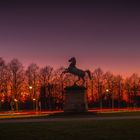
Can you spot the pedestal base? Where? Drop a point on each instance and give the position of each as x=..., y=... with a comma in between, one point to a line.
x=75, y=99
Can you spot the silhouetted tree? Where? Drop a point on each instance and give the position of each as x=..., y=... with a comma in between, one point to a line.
x=98, y=81
x=4, y=78
x=128, y=91
x=16, y=79
x=134, y=79
x=109, y=88
x=46, y=75
x=32, y=73
x=60, y=82
x=120, y=85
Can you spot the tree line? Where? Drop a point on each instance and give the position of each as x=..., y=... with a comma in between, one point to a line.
x=43, y=88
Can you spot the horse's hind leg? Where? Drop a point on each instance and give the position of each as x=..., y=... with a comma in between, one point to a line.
x=75, y=83
x=83, y=81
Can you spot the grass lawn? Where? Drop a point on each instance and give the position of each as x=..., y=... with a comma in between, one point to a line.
x=72, y=130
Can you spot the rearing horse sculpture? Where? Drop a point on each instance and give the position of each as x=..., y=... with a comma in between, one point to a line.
x=75, y=71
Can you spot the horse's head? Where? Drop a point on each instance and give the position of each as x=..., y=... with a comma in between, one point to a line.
x=72, y=59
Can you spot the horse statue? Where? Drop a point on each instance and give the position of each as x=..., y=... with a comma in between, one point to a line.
x=75, y=71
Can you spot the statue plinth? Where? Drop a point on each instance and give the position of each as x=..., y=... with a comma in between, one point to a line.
x=75, y=99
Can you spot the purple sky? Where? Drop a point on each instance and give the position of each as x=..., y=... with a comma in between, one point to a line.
x=102, y=35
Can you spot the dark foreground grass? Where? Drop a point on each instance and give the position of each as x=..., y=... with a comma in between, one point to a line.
x=72, y=130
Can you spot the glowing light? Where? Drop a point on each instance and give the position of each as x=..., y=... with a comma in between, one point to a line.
x=15, y=100
x=2, y=100
x=34, y=99
x=107, y=90
x=30, y=87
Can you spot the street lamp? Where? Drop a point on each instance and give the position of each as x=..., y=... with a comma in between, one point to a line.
x=2, y=100
x=107, y=90
x=110, y=94
x=30, y=91
x=16, y=101
x=30, y=87
x=108, y=97
x=35, y=104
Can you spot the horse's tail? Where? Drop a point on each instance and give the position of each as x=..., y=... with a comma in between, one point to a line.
x=89, y=74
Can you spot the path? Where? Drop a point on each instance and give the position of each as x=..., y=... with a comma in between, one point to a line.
x=67, y=119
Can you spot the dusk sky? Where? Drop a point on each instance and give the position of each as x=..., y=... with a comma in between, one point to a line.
x=98, y=34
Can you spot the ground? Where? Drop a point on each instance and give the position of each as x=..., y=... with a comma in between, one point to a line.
x=72, y=130
x=100, y=126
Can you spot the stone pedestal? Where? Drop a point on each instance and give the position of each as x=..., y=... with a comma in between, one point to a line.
x=75, y=99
